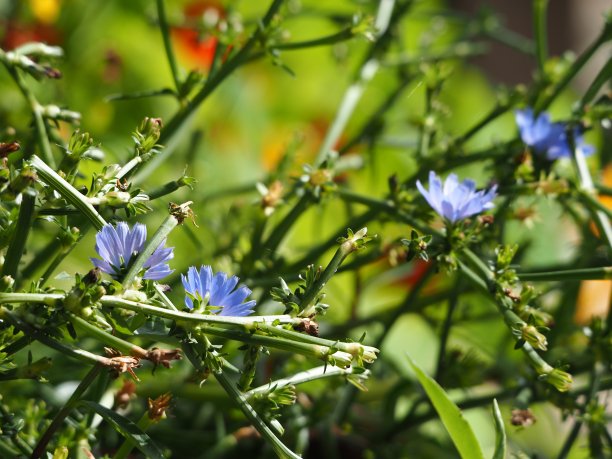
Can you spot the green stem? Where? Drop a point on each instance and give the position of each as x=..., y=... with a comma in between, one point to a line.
x=587, y=186
x=448, y=321
x=602, y=78
x=316, y=351
x=345, y=249
x=238, y=397
x=313, y=374
x=128, y=444
x=604, y=272
x=20, y=234
x=343, y=35
x=355, y=349
x=154, y=243
x=65, y=411
x=67, y=191
x=282, y=229
x=112, y=341
x=165, y=31
x=55, y=299
x=539, y=25
x=605, y=36
x=497, y=111
x=365, y=74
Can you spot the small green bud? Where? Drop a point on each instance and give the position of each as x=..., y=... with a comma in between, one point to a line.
x=116, y=198
x=6, y=283
x=558, y=378
x=531, y=334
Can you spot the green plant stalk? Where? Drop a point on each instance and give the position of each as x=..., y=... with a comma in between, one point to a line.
x=156, y=241
x=282, y=229
x=540, y=8
x=40, y=448
x=165, y=189
x=67, y=191
x=20, y=234
x=112, y=341
x=238, y=397
x=586, y=184
x=357, y=222
x=596, y=206
x=605, y=36
x=345, y=249
x=604, y=272
x=354, y=92
x=387, y=207
x=460, y=50
x=497, y=111
x=316, y=351
x=512, y=39
x=313, y=374
x=165, y=31
x=55, y=299
x=128, y=445
x=354, y=349
x=602, y=78
x=343, y=35
x=448, y=322
x=372, y=126
x=484, y=278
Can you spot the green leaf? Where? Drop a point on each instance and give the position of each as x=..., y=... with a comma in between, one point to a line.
x=457, y=427
x=128, y=429
x=500, y=433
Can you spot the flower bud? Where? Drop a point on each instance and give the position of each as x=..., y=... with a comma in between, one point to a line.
x=531, y=334
x=558, y=378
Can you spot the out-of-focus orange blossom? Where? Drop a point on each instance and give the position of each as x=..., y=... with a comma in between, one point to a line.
x=595, y=296
x=195, y=49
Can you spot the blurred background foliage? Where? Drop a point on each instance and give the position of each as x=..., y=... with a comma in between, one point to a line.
x=114, y=51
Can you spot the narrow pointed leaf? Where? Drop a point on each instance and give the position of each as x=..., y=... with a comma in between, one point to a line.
x=128, y=429
x=458, y=428
x=500, y=433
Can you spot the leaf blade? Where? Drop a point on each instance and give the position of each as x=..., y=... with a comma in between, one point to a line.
x=127, y=429
x=456, y=425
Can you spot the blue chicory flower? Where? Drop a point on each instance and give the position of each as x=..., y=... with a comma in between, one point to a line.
x=118, y=247
x=218, y=290
x=455, y=201
x=547, y=137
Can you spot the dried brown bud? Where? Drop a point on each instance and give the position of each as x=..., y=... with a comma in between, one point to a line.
x=308, y=326
x=163, y=356
x=125, y=394
x=119, y=363
x=8, y=147
x=523, y=418
x=158, y=407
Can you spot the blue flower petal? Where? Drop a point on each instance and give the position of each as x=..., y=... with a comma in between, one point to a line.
x=117, y=245
x=221, y=290
x=455, y=201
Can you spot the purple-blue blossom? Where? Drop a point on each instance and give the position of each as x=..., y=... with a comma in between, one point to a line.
x=455, y=201
x=546, y=137
x=217, y=290
x=119, y=246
